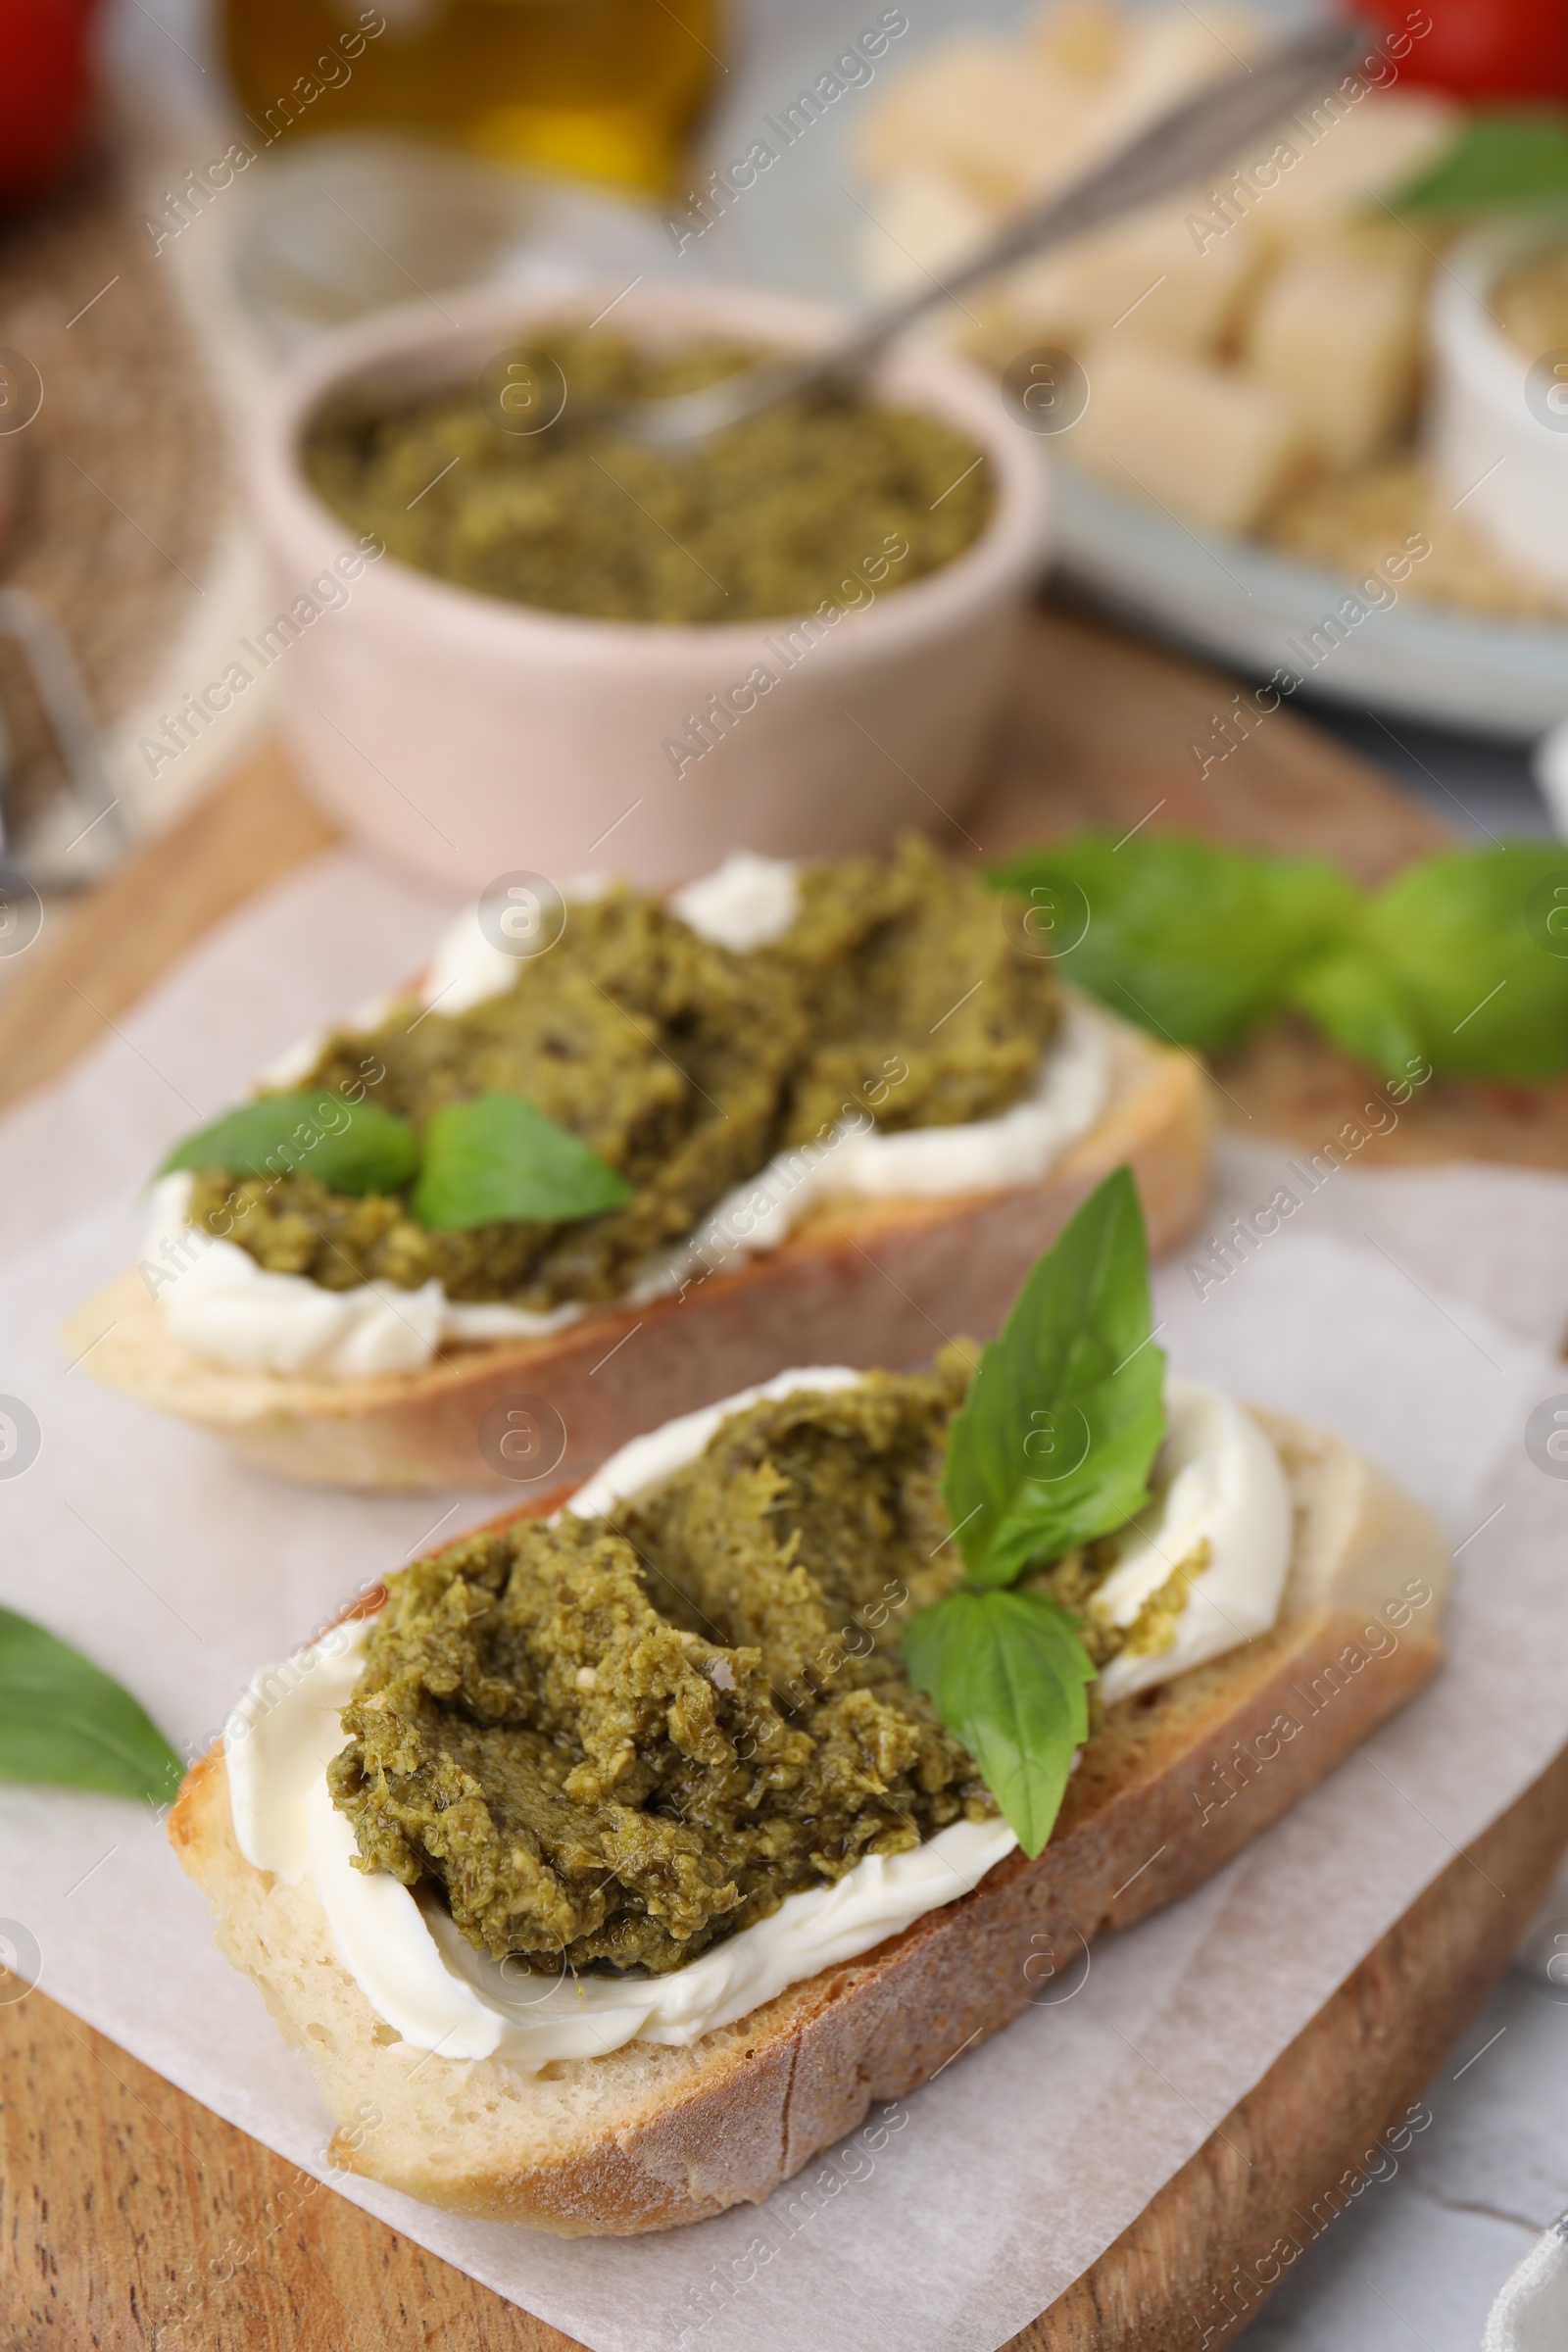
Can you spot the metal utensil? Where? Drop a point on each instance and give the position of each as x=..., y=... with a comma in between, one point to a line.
x=1183, y=145
x=91, y=809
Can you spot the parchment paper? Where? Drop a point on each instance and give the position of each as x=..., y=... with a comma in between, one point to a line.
x=1410, y=1312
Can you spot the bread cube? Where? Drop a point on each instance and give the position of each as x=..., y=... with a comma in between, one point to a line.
x=1339, y=157
x=921, y=222
x=977, y=112
x=1086, y=39
x=1148, y=269
x=1336, y=333
x=1210, y=444
x=1170, y=54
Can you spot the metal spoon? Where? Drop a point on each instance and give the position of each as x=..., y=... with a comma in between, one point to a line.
x=1182, y=146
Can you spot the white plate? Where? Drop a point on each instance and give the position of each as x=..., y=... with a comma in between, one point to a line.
x=803, y=224
x=1256, y=609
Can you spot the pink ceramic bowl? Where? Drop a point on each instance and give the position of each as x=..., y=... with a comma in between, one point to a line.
x=467, y=737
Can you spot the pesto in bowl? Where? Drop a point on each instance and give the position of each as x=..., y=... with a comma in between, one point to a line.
x=828, y=498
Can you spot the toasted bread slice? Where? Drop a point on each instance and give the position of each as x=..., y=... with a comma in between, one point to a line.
x=877, y=1283
x=1171, y=1784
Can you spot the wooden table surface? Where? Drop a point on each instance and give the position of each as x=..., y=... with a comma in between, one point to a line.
x=134, y=2218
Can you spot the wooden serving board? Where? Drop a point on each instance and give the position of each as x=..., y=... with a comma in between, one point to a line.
x=135, y=2218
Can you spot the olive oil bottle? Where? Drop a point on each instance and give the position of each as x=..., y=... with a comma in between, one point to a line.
x=598, y=89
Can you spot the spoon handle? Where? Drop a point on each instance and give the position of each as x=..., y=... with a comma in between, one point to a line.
x=1182, y=146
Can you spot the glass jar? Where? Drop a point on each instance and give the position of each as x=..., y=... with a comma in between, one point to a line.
x=598, y=89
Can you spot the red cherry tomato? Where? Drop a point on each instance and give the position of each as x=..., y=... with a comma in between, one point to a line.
x=47, y=91
x=1487, y=49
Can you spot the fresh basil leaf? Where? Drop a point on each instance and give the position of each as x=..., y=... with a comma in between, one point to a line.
x=1503, y=156
x=1191, y=939
x=1055, y=1440
x=350, y=1146
x=1008, y=1677
x=498, y=1159
x=64, y=1720
x=1462, y=960
x=1359, y=1005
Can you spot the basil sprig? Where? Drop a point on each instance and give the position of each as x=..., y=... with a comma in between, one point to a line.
x=498, y=1157
x=1192, y=936
x=65, y=1721
x=1459, y=963
x=1008, y=1677
x=1054, y=1446
x=1503, y=156
x=352, y=1146
x=1064, y=1416
x=494, y=1159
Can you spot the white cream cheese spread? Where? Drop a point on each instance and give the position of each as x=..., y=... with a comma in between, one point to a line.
x=1218, y=1483
x=746, y=903
x=220, y=1304
x=1221, y=1512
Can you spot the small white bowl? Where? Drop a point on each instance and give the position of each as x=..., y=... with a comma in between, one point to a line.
x=466, y=736
x=1498, y=437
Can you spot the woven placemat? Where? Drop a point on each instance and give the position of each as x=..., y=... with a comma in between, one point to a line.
x=122, y=474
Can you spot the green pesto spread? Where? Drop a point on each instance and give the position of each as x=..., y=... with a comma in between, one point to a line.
x=1077, y=1580
x=896, y=997
x=609, y=1744
x=803, y=505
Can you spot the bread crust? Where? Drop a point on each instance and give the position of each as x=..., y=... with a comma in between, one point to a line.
x=874, y=1284
x=1171, y=1786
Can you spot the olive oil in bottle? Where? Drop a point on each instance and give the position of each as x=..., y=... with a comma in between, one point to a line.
x=598, y=89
